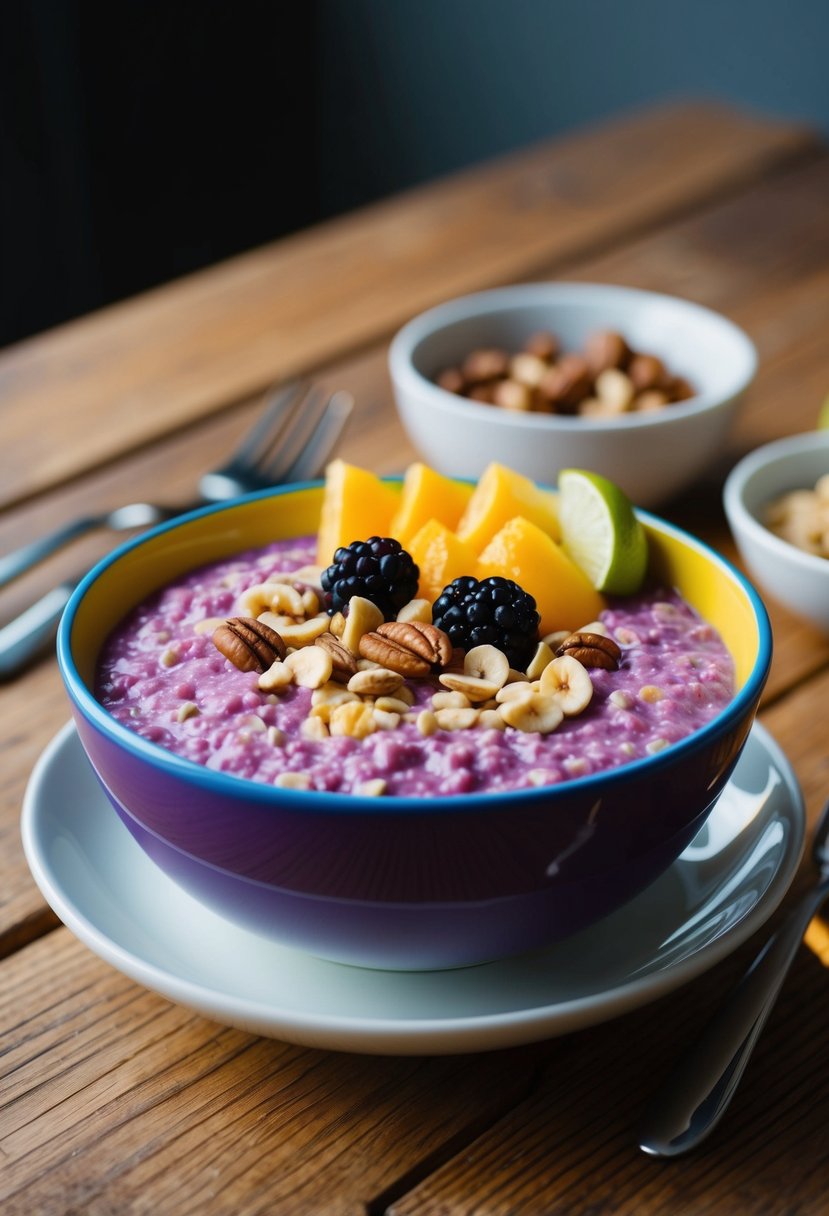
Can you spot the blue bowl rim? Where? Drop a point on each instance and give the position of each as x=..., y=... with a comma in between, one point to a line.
x=217, y=783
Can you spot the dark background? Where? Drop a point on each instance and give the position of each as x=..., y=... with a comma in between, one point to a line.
x=143, y=139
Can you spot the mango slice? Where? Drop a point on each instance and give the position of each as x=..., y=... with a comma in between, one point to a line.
x=441, y=557
x=356, y=504
x=427, y=495
x=500, y=495
x=522, y=551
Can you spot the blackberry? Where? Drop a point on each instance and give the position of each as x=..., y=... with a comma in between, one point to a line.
x=378, y=569
x=495, y=611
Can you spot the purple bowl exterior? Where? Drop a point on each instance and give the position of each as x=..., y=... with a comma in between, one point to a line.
x=413, y=891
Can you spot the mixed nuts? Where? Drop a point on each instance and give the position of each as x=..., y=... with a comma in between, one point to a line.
x=606, y=378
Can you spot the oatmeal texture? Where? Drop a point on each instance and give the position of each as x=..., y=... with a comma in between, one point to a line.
x=166, y=681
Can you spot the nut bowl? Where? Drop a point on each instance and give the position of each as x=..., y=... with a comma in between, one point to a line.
x=652, y=455
x=402, y=882
x=789, y=575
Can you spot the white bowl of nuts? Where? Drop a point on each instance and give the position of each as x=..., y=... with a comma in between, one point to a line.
x=777, y=503
x=638, y=386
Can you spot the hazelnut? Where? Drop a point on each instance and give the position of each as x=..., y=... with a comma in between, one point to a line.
x=528, y=369
x=485, y=364
x=652, y=399
x=451, y=379
x=680, y=389
x=646, y=371
x=615, y=389
x=606, y=349
x=511, y=395
x=566, y=383
x=543, y=345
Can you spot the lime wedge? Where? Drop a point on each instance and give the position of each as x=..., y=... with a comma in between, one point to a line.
x=600, y=531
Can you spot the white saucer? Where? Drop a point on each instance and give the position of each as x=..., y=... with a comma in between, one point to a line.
x=122, y=907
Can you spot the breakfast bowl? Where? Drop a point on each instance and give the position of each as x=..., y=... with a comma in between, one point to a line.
x=398, y=881
x=782, y=569
x=652, y=453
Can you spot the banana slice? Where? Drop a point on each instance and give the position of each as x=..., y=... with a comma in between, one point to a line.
x=487, y=663
x=568, y=683
x=534, y=712
x=474, y=688
x=543, y=656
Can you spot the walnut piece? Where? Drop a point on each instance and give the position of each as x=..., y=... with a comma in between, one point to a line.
x=413, y=648
x=591, y=650
x=249, y=645
x=343, y=662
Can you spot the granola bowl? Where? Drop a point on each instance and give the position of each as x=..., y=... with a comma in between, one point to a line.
x=788, y=563
x=400, y=882
x=652, y=453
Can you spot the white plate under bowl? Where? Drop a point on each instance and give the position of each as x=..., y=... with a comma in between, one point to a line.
x=112, y=897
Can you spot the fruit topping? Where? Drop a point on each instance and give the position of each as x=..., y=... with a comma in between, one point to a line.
x=426, y=495
x=495, y=611
x=563, y=595
x=601, y=532
x=500, y=494
x=378, y=569
x=355, y=503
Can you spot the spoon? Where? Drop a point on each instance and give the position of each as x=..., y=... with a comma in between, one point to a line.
x=700, y=1089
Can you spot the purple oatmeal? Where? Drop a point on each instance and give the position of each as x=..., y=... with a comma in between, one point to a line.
x=161, y=675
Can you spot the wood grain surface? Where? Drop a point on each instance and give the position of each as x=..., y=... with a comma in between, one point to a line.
x=146, y=367
x=112, y=1100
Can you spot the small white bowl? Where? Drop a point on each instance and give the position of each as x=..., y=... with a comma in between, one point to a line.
x=651, y=455
x=796, y=579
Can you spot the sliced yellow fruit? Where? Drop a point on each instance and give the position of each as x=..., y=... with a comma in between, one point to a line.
x=522, y=551
x=356, y=504
x=440, y=556
x=427, y=495
x=499, y=496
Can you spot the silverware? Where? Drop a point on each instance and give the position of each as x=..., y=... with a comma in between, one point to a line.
x=290, y=442
x=287, y=443
x=699, y=1091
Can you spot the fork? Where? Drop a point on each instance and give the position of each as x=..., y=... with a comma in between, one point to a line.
x=288, y=443
x=309, y=436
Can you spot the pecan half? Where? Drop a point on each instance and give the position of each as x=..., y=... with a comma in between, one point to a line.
x=413, y=648
x=344, y=663
x=592, y=650
x=250, y=645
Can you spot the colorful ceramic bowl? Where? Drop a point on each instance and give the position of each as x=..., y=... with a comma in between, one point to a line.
x=652, y=455
x=402, y=882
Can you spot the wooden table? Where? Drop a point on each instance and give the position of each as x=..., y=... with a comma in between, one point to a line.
x=115, y=1101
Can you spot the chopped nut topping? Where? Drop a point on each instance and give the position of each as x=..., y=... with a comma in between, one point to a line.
x=427, y=723
x=379, y=682
x=450, y=700
x=343, y=662
x=293, y=781
x=372, y=789
x=591, y=650
x=363, y=616
x=456, y=719
x=355, y=720
x=250, y=645
x=416, y=610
